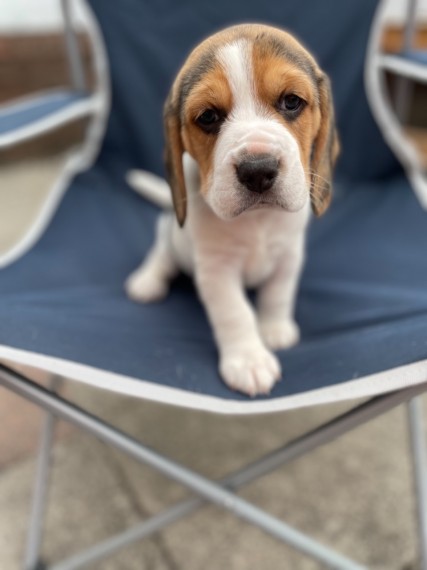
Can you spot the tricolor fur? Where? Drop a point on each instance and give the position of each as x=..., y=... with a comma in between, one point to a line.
x=250, y=143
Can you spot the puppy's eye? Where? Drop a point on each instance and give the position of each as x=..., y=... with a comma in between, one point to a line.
x=210, y=120
x=290, y=105
x=208, y=117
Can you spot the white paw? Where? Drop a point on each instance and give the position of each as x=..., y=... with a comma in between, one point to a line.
x=278, y=333
x=145, y=286
x=252, y=370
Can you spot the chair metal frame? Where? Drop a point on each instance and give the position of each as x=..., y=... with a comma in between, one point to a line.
x=75, y=62
x=404, y=87
x=221, y=493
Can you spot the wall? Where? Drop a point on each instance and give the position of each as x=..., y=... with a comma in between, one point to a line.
x=36, y=16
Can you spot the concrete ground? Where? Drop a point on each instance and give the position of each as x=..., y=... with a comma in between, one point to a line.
x=354, y=494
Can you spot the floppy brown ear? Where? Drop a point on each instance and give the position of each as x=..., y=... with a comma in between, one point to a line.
x=174, y=151
x=325, y=151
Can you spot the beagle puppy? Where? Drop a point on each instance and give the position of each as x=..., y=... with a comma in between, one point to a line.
x=250, y=144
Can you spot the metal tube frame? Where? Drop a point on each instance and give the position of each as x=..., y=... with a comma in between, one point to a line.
x=73, y=52
x=41, y=487
x=221, y=492
x=405, y=86
x=410, y=28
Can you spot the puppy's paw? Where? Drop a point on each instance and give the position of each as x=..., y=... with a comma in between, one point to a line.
x=278, y=333
x=144, y=286
x=252, y=370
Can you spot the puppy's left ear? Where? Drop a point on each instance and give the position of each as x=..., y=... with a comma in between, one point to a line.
x=325, y=150
x=174, y=150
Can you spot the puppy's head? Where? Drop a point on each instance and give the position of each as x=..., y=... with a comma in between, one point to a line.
x=254, y=110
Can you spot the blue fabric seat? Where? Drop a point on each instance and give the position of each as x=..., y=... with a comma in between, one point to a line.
x=411, y=64
x=359, y=312
x=418, y=56
x=28, y=117
x=362, y=305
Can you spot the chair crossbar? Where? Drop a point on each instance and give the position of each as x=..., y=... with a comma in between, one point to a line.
x=266, y=464
x=208, y=490
x=200, y=485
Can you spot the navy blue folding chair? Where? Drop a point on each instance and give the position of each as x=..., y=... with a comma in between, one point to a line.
x=362, y=305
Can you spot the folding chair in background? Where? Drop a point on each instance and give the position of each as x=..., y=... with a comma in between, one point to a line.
x=362, y=305
x=409, y=65
x=45, y=111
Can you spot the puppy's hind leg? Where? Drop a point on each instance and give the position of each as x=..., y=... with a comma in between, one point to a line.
x=151, y=281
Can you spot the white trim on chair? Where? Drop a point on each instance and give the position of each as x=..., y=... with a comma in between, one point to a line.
x=366, y=386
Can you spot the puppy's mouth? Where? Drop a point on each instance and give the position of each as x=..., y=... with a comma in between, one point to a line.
x=236, y=200
x=267, y=200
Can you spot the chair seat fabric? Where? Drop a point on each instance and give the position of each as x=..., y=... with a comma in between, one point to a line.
x=362, y=305
x=408, y=64
x=363, y=298
x=39, y=108
x=418, y=56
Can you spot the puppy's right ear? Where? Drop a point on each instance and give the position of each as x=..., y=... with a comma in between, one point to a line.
x=174, y=151
x=325, y=150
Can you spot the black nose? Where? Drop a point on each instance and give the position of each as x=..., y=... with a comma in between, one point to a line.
x=258, y=173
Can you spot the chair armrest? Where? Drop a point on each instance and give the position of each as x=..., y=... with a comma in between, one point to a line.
x=43, y=112
x=412, y=64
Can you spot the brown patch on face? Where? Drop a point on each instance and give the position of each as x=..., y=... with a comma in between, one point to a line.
x=276, y=76
x=211, y=93
x=200, y=79
x=281, y=66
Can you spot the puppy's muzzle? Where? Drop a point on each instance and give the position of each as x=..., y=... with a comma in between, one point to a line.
x=258, y=173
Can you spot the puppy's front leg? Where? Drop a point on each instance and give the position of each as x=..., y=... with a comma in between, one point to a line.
x=276, y=302
x=245, y=363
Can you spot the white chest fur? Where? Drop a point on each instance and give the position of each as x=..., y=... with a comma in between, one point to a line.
x=251, y=244
x=262, y=248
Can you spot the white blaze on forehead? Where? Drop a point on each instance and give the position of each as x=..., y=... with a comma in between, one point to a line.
x=236, y=60
x=251, y=128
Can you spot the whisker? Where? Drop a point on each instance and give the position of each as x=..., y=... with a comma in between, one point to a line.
x=318, y=176
x=316, y=195
x=316, y=199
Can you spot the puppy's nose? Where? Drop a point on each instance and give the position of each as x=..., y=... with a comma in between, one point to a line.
x=258, y=173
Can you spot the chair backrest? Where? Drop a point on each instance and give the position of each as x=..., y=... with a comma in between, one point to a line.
x=148, y=41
